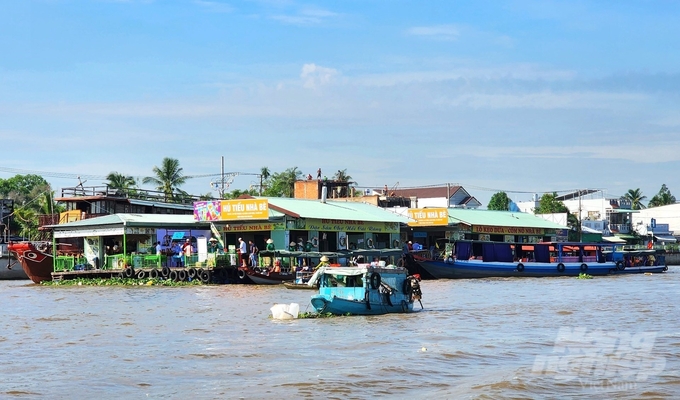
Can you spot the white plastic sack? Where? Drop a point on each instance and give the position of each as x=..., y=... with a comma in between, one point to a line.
x=285, y=311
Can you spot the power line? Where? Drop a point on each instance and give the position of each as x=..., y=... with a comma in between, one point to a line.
x=65, y=175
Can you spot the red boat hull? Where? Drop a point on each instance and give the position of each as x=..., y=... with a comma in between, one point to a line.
x=35, y=258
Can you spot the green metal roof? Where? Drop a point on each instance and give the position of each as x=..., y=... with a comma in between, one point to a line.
x=340, y=210
x=499, y=218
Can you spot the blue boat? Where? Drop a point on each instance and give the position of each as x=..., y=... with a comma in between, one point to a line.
x=640, y=261
x=365, y=290
x=475, y=259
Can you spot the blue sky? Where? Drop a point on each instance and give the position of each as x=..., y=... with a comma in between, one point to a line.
x=522, y=96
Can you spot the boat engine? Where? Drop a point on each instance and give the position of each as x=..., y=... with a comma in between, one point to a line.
x=412, y=287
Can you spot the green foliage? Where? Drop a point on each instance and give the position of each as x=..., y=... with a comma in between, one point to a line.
x=32, y=196
x=584, y=276
x=663, y=198
x=20, y=187
x=635, y=197
x=119, y=282
x=311, y=315
x=119, y=181
x=341, y=176
x=548, y=204
x=499, y=202
x=283, y=184
x=236, y=193
x=168, y=178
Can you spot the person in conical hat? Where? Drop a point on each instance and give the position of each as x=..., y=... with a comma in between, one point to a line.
x=323, y=262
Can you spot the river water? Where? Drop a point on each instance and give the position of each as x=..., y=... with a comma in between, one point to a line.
x=608, y=337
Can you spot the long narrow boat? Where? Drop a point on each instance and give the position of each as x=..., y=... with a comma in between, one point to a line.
x=475, y=259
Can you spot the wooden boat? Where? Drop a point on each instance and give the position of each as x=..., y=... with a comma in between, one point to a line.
x=640, y=261
x=298, y=286
x=475, y=259
x=35, y=259
x=260, y=276
x=365, y=290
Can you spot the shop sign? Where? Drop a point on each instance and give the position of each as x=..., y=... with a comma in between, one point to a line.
x=428, y=216
x=254, y=227
x=140, y=231
x=342, y=225
x=231, y=210
x=507, y=230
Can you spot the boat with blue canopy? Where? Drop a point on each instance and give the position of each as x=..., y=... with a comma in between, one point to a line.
x=365, y=290
x=477, y=259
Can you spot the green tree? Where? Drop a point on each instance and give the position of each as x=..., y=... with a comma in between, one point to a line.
x=341, y=176
x=20, y=186
x=635, y=197
x=548, y=204
x=236, y=193
x=283, y=184
x=663, y=198
x=32, y=197
x=499, y=202
x=117, y=180
x=265, y=172
x=168, y=178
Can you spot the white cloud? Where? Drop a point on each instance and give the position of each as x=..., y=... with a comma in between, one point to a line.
x=315, y=76
x=438, y=32
x=541, y=100
x=214, y=6
x=306, y=16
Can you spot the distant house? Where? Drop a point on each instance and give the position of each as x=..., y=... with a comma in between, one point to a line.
x=437, y=196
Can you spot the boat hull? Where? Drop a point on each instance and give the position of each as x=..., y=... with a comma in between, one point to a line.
x=340, y=306
x=478, y=269
x=657, y=269
x=36, y=261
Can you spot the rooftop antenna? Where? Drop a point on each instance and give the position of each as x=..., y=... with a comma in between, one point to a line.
x=80, y=185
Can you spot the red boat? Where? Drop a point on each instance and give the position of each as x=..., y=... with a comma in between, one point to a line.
x=35, y=258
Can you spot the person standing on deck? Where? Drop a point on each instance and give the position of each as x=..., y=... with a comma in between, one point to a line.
x=253, y=253
x=243, y=251
x=318, y=174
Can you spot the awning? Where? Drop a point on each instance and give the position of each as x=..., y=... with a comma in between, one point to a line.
x=613, y=239
x=623, y=211
x=665, y=238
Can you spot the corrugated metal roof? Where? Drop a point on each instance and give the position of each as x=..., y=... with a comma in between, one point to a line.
x=427, y=192
x=499, y=218
x=141, y=220
x=160, y=204
x=336, y=210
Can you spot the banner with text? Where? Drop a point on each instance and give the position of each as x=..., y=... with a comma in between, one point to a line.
x=428, y=216
x=231, y=210
x=254, y=227
x=507, y=230
x=349, y=226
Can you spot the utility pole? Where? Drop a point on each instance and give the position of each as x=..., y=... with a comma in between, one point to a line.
x=580, y=230
x=260, y=184
x=222, y=191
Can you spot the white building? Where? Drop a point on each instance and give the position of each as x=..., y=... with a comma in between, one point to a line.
x=605, y=214
x=661, y=222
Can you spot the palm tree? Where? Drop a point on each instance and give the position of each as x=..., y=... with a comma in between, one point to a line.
x=265, y=173
x=635, y=197
x=341, y=176
x=119, y=181
x=168, y=177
